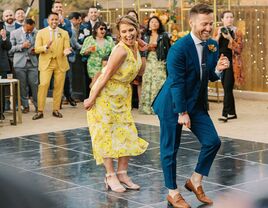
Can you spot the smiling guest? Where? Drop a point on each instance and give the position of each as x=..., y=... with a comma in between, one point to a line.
x=111, y=126
x=53, y=45
x=97, y=47
x=191, y=62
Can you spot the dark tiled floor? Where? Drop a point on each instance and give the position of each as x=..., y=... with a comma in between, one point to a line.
x=62, y=163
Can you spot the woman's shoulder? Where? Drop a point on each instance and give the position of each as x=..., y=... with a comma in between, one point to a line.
x=120, y=49
x=89, y=38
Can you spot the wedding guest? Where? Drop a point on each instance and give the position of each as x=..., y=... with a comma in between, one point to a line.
x=5, y=46
x=20, y=16
x=111, y=126
x=155, y=70
x=230, y=40
x=25, y=61
x=97, y=47
x=53, y=46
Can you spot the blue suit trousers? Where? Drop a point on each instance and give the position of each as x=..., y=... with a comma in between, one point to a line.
x=170, y=136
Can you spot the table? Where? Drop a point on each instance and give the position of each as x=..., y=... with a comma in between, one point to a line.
x=14, y=85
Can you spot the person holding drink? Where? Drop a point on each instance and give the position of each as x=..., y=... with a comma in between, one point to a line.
x=97, y=47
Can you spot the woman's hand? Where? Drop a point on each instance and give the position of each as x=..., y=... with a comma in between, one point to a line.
x=227, y=36
x=152, y=46
x=89, y=103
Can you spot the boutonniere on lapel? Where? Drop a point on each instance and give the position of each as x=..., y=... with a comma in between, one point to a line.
x=212, y=48
x=59, y=35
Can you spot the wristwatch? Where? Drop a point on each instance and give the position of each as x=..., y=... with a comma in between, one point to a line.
x=183, y=113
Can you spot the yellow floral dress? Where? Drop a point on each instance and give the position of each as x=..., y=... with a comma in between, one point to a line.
x=111, y=125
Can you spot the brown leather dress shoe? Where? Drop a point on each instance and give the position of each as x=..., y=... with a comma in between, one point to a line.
x=200, y=194
x=57, y=114
x=38, y=115
x=177, y=202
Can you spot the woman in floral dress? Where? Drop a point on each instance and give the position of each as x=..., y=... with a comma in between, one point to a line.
x=98, y=47
x=155, y=70
x=112, y=128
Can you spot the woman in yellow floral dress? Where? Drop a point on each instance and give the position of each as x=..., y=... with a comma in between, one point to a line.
x=112, y=128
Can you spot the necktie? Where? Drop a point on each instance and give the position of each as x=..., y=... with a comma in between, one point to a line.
x=53, y=35
x=203, y=60
x=28, y=37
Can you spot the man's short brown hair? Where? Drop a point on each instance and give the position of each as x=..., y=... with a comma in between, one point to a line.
x=200, y=9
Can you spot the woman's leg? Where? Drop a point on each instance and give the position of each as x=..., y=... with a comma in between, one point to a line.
x=111, y=180
x=122, y=174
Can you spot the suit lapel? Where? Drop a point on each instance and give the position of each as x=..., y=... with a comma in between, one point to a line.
x=193, y=53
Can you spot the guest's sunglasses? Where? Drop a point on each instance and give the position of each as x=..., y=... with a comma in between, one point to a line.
x=102, y=28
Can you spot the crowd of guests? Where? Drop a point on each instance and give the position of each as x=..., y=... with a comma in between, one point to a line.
x=37, y=59
x=174, y=80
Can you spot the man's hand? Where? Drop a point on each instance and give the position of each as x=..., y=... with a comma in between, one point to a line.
x=61, y=19
x=3, y=33
x=185, y=120
x=67, y=51
x=223, y=63
x=49, y=44
x=26, y=44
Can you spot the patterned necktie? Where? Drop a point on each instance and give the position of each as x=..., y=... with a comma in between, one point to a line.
x=28, y=37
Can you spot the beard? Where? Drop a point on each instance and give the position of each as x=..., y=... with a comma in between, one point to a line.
x=10, y=21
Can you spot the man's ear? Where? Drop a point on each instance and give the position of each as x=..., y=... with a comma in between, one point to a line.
x=191, y=23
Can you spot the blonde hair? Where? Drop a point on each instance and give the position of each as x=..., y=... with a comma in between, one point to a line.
x=128, y=20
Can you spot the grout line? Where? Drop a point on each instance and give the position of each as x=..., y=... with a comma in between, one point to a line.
x=61, y=165
x=61, y=147
x=60, y=190
x=245, y=160
x=38, y=173
x=249, y=152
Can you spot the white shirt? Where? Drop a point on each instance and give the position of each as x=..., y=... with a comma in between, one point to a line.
x=51, y=32
x=199, y=49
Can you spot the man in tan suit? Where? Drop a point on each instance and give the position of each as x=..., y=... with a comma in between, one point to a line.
x=53, y=45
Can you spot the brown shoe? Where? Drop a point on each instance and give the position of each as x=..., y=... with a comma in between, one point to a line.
x=200, y=194
x=26, y=110
x=57, y=114
x=38, y=115
x=177, y=202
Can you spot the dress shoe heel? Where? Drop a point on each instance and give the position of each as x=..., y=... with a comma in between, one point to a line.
x=188, y=188
x=116, y=187
x=128, y=184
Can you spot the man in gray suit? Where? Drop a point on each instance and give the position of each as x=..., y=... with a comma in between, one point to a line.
x=25, y=61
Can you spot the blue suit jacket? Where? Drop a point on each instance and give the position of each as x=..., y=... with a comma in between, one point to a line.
x=180, y=91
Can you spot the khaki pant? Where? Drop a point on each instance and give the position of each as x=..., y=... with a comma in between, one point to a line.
x=45, y=77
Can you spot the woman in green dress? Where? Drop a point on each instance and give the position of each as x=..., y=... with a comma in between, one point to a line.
x=155, y=70
x=97, y=47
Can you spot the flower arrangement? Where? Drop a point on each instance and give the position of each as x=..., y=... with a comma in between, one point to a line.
x=212, y=48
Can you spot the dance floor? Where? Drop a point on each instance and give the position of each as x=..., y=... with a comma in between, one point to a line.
x=62, y=162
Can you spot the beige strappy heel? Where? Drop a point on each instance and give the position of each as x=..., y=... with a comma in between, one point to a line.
x=116, y=186
x=128, y=183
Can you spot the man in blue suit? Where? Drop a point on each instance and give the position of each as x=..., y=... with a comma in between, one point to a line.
x=191, y=62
